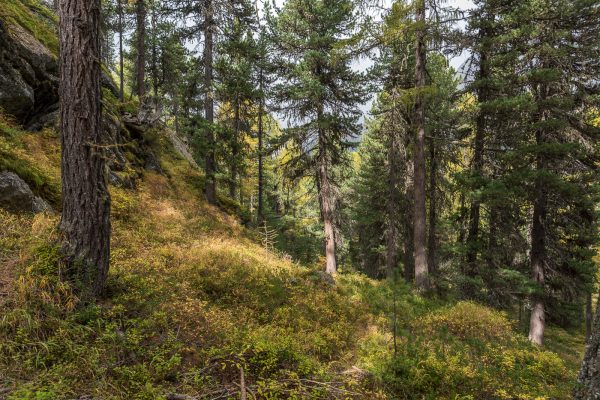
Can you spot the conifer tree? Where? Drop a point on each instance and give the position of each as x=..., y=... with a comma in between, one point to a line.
x=319, y=93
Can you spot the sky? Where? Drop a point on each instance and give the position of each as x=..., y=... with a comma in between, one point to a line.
x=456, y=62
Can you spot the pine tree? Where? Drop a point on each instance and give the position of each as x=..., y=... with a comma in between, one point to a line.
x=85, y=222
x=319, y=92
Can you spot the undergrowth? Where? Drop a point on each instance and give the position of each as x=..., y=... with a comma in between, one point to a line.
x=194, y=301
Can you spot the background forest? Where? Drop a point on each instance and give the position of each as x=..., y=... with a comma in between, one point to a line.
x=299, y=199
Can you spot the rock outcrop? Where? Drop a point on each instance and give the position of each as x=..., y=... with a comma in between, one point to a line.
x=16, y=195
x=28, y=74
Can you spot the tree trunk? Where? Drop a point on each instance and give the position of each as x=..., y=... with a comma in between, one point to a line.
x=85, y=221
x=432, y=239
x=326, y=200
x=393, y=203
x=260, y=148
x=141, y=48
x=121, y=68
x=537, y=322
x=421, y=268
x=154, y=57
x=588, y=381
x=477, y=173
x=234, y=151
x=210, y=189
x=588, y=317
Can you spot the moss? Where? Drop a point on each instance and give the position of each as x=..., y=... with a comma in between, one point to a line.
x=33, y=16
x=15, y=157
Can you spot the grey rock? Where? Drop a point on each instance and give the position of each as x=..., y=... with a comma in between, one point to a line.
x=16, y=195
x=16, y=96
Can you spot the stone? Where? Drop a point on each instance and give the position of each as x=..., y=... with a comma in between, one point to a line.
x=16, y=195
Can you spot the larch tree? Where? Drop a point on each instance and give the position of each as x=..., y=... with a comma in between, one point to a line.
x=85, y=220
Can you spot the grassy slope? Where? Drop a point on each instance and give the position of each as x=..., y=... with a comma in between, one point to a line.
x=194, y=300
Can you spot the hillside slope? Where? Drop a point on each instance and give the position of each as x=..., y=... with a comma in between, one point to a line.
x=198, y=309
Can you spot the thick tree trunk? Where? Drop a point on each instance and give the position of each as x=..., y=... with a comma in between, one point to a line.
x=85, y=222
x=421, y=268
x=121, y=68
x=210, y=190
x=588, y=381
x=141, y=48
x=326, y=200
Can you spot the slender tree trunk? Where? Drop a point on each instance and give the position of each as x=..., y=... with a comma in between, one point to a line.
x=588, y=317
x=477, y=173
x=260, y=148
x=234, y=151
x=326, y=200
x=210, y=189
x=393, y=203
x=421, y=268
x=432, y=239
x=121, y=68
x=154, y=57
x=141, y=48
x=85, y=221
x=537, y=322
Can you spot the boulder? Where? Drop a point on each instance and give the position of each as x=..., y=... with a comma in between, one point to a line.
x=16, y=195
x=28, y=74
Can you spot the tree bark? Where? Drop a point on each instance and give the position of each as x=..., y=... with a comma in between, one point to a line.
x=588, y=381
x=588, y=317
x=478, y=148
x=432, y=238
x=260, y=148
x=235, y=151
x=393, y=203
x=85, y=220
x=326, y=200
x=141, y=48
x=421, y=268
x=121, y=67
x=210, y=190
x=537, y=322
x=154, y=68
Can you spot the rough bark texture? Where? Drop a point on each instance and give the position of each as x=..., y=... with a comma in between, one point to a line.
x=421, y=268
x=588, y=381
x=210, y=190
x=85, y=223
x=140, y=14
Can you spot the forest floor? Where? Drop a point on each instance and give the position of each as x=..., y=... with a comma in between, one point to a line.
x=195, y=303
